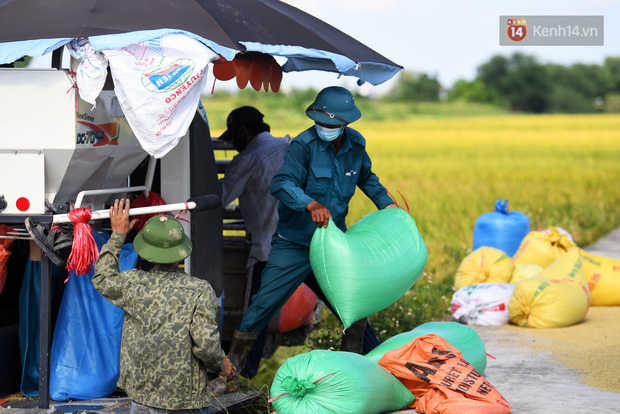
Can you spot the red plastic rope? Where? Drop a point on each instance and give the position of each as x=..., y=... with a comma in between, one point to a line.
x=182, y=214
x=74, y=86
x=396, y=202
x=403, y=197
x=84, y=250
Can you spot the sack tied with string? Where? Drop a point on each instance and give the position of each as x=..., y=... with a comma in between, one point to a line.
x=543, y=247
x=335, y=382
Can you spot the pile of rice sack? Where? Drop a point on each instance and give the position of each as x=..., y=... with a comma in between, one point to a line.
x=436, y=367
x=549, y=282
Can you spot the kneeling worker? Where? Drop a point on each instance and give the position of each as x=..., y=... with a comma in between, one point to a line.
x=170, y=336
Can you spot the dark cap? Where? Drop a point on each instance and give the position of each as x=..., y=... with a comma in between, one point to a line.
x=238, y=117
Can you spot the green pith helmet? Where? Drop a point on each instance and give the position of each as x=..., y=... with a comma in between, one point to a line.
x=334, y=106
x=162, y=240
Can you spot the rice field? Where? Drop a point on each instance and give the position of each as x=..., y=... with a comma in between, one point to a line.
x=559, y=170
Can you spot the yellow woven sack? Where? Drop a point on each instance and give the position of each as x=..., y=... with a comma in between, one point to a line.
x=542, y=248
x=525, y=271
x=603, y=274
x=557, y=296
x=484, y=265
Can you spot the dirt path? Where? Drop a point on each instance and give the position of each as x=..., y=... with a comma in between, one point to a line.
x=591, y=347
x=569, y=370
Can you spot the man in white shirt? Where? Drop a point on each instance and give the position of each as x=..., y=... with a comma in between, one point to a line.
x=247, y=178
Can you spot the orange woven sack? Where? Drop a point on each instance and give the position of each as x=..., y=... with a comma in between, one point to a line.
x=442, y=381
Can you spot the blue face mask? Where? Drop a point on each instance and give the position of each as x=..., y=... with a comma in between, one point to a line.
x=328, y=134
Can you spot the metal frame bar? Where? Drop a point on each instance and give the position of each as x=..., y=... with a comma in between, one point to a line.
x=45, y=337
x=105, y=214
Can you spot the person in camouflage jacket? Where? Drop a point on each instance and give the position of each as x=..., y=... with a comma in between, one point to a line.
x=170, y=336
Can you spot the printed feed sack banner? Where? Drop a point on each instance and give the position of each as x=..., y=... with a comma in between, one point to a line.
x=158, y=84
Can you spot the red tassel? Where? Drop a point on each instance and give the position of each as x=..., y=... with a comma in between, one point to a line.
x=84, y=251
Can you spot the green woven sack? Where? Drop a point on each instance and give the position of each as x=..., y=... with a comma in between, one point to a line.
x=462, y=337
x=368, y=268
x=322, y=382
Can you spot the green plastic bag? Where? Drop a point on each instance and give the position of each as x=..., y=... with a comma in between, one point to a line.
x=462, y=337
x=368, y=268
x=322, y=382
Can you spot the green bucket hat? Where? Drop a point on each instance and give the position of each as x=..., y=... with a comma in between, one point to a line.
x=162, y=240
x=334, y=105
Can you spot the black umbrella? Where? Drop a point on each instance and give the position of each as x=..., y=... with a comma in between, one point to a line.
x=268, y=26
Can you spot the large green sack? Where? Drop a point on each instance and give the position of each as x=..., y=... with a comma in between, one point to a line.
x=462, y=337
x=368, y=268
x=326, y=382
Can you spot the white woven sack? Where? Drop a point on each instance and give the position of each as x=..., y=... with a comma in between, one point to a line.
x=482, y=303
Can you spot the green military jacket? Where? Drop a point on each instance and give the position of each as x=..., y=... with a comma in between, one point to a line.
x=170, y=336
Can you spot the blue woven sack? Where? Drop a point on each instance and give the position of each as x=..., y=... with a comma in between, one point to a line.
x=501, y=229
x=85, y=355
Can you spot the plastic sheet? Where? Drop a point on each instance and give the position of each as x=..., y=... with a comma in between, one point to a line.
x=85, y=355
x=29, y=323
x=368, y=268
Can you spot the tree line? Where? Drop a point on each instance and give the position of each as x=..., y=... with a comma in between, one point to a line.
x=521, y=83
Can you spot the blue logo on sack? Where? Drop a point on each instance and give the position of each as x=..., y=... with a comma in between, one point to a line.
x=162, y=80
x=165, y=79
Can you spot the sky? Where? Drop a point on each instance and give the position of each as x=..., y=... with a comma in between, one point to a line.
x=449, y=39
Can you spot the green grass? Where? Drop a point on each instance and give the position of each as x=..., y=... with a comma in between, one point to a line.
x=451, y=163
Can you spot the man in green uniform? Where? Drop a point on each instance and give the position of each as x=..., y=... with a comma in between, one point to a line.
x=321, y=171
x=170, y=336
